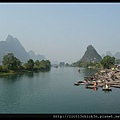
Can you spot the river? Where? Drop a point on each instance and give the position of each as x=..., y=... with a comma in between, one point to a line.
x=54, y=92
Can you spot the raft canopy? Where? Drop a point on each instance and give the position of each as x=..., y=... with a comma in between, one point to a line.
x=102, y=71
x=112, y=68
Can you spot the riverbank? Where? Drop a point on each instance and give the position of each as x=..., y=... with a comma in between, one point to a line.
x=111, y=77
x=105, y=78
x=11, y=72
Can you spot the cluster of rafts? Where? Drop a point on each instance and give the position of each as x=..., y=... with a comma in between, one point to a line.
x=94, y=85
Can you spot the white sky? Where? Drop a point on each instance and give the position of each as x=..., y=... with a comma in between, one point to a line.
x=62, y=32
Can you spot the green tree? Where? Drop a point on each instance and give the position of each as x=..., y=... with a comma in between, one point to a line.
x=98, y=65
x=26, y=66
x=48, y=64
x=117, y=61
x=37, y=65
x=45, y=65
x=1, y=69
x=108, y=61
x=30, y=64
x=11, y=62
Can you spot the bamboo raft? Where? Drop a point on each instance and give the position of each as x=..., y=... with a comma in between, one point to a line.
x=116, y=86
x=91, y=86
x=107, y=89
x=102, y=79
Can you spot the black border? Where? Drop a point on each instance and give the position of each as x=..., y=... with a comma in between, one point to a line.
x=61, y=116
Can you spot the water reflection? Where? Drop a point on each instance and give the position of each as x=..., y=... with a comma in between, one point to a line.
x=96, y=89
x=53, y=92
x=19, y=89
x=92, y=88
x=11, y=78
x=14, y=77
x=31, y=74
x=107, y=91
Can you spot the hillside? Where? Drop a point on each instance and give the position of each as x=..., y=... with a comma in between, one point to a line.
x=13, y=45
x=91, y=55
x=36, y=57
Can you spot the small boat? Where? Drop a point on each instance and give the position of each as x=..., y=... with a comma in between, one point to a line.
x=91, y=86
x=106, y=88
x=116, y=86
x=95, y=88
x=81, y=82
x=86, y=78
x=76, y=84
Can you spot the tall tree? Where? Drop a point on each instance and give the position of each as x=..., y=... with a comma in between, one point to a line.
x=11, y=62
x=108, y=61
x=37, y=65
x=30, y=63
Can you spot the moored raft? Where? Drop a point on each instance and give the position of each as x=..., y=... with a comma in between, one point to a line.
x=116, y=86
x=100, y=84
x=76, y=84
x=106, y=88
x=80, y=82
x=91, y=86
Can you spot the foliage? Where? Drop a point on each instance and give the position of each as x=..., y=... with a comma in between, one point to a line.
x=10, y=62
x=117, y=61
x=108, y=61
x=98, y=65
x=29, y=64
x=87, y=64
x=37, y=65
x=45, y=64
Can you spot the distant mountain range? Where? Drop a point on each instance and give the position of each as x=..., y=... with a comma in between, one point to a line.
x=91, y=55
x=13, y=45
x=36, y=57
x=116, y=55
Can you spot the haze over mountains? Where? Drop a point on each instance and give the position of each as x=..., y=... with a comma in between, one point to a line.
x=91, y=55
x=116, y=55
x=36, y=57
x=12, y=45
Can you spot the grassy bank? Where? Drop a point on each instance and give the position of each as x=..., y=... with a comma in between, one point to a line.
x=13, y=72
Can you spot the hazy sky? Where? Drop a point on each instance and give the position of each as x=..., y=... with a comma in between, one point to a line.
x=62, y=31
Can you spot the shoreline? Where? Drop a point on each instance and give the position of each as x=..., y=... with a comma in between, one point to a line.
x=13, y=73
x=20, y=72
x=105, y=78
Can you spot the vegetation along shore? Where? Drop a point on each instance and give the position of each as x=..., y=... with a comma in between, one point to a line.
x=12, y=65
x=106, y=77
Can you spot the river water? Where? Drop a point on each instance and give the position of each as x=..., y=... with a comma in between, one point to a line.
x=54, y=92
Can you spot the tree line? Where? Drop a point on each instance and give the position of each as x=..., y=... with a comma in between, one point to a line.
x=106, y=62
x=10, y=62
